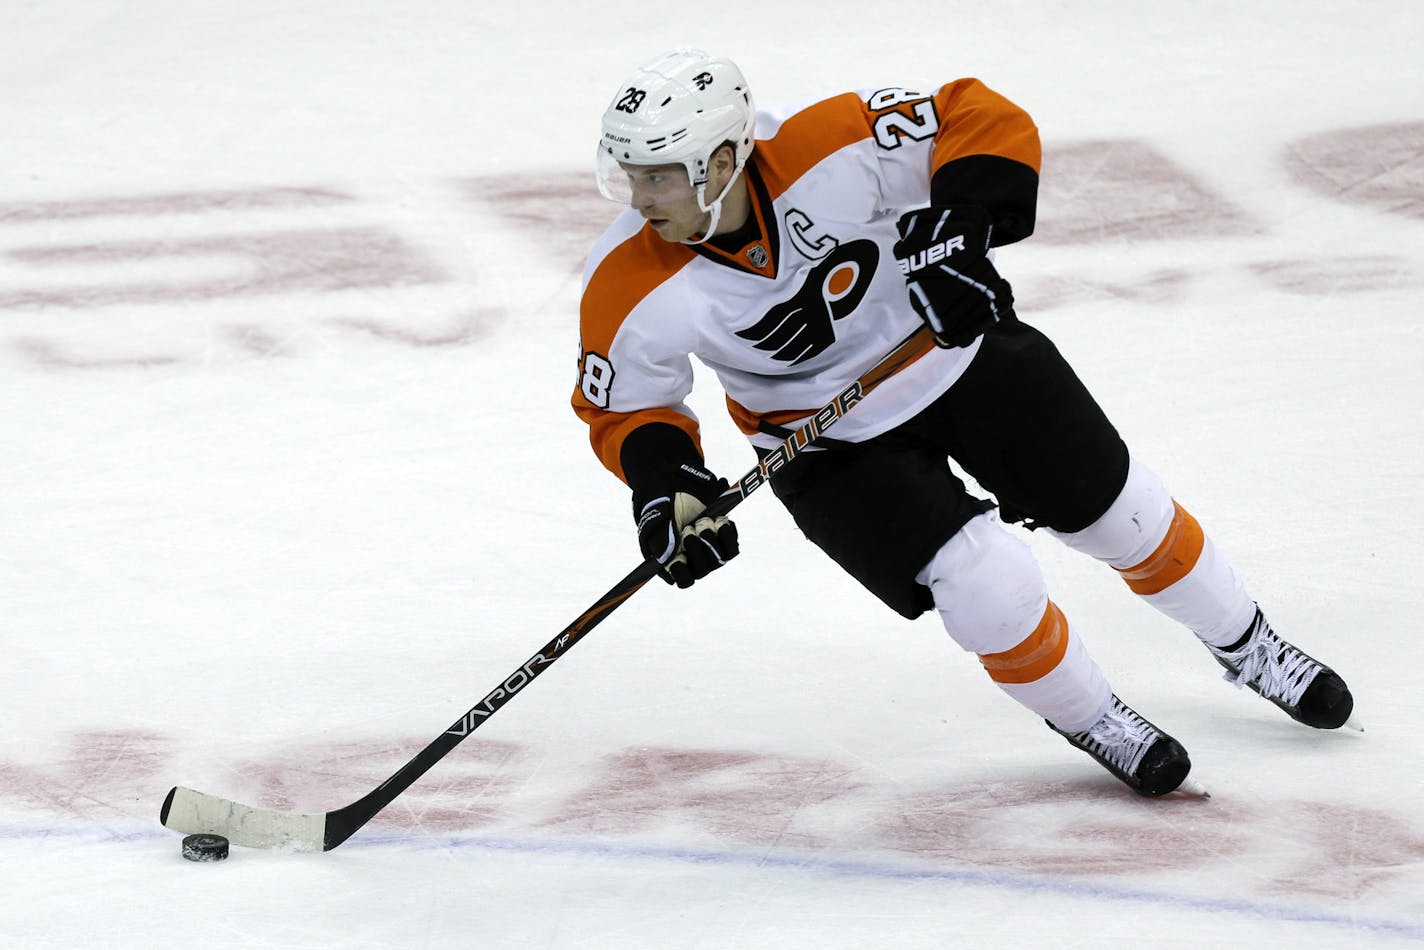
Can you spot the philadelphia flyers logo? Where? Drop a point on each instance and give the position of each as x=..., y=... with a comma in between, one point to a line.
x=802, y=327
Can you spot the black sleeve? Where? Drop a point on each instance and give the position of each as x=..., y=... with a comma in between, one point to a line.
x=653, y=448
x=1007, y=189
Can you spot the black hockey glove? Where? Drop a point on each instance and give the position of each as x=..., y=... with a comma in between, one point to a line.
x=671, y=529
x=953, y=285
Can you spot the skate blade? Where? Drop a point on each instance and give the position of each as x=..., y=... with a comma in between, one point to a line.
x=1192, y=787
x=1353, y=724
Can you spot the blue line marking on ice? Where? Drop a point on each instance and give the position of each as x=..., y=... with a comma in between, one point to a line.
x=886, y=871
x=807, y=863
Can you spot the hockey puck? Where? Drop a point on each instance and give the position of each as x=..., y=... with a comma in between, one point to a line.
x=205, y=848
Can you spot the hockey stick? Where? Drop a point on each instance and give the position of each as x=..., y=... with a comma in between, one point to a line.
x=195, y=812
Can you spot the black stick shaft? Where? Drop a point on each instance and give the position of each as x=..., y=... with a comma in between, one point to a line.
x=344, y=822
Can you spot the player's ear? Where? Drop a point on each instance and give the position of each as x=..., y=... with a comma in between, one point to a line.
x=723, y=162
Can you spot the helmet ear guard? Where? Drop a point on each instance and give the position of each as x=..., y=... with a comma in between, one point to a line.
x=677, y=109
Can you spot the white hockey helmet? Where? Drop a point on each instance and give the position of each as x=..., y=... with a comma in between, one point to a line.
x=677, y=109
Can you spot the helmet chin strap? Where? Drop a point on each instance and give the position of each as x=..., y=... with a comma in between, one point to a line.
x=716, y=212
x=714, y=209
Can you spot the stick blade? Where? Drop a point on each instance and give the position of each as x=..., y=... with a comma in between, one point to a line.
x=200, y=813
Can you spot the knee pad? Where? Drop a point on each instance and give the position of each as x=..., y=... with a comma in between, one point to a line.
x=987, y=586
x=1164, y=556
x=1134, y=524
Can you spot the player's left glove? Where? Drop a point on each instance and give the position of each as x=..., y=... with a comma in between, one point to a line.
x=672, y=529
x=953, y=285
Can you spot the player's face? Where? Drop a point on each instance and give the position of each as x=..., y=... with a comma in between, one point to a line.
x=664, y=196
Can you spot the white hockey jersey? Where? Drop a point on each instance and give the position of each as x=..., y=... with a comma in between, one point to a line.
x=791, y=318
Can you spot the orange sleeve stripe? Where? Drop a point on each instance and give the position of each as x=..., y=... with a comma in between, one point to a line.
x=627, y=275
x=1037, y=656
x=1174, y=558
x=975, y=120
x=607, y=430
x=808, y=137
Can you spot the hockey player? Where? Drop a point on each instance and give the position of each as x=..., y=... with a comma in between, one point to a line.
x=789, y=251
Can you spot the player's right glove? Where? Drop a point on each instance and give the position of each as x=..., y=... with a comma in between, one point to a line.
x=671, y=529
x=953, y=285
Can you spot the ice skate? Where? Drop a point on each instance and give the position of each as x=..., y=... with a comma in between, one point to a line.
x=1148, y=760
x=1308, y=690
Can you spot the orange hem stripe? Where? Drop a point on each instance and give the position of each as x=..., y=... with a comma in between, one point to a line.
x=1037, y=656
x=1174, y=558
x=749, y=422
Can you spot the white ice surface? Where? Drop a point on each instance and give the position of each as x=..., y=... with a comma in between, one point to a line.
x=288, y=481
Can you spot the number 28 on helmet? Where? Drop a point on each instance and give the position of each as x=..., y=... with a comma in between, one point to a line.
x=676, y=110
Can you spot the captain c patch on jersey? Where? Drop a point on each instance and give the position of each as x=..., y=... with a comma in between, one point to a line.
x=802, y=327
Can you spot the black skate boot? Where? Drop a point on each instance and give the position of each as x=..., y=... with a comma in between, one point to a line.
x=1148, y=760
x=1308, y=690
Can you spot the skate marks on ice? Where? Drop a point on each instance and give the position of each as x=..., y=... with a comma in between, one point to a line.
x=748, y=806
x=557, y=215
x=1128, y=195
x=218, y=267
x=130, y=280
x=1121, y=192
x=100, y=779
x=190, y=277
x=1376, y=166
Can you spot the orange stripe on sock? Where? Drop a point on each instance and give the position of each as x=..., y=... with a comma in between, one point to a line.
x=1036, y=656
x=1174, y=558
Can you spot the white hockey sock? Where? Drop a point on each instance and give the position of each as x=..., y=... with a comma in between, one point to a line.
x=1052, y=674
x=1166, y=558
x=992, y=598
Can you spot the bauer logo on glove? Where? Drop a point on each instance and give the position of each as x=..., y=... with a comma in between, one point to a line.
x=953, y=286
x=936, y=253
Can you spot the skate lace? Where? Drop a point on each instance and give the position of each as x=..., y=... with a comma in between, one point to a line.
x=1121, y=737
x=1276, y=668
